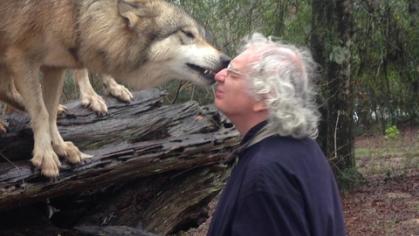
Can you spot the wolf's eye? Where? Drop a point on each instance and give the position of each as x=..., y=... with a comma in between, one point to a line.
x=189, y=34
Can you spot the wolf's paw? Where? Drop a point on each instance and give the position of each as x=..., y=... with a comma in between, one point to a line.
x=61, y=109
x=71, y=152
x=3, y=127
x=120, y=92
x=95, y=103
x=48, y=162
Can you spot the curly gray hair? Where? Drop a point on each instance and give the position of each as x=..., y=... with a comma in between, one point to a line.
x=282, y=76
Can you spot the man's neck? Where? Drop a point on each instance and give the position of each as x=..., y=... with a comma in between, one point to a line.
x=244, y=124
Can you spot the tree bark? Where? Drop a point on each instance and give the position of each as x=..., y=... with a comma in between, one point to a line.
x=331, y=38
x=163, y=154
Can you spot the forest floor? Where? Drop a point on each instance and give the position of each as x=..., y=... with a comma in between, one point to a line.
x=386, y=202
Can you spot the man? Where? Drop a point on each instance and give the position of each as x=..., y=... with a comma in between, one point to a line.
x=282, y=183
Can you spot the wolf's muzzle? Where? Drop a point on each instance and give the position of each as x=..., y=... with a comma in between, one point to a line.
x=225, y=60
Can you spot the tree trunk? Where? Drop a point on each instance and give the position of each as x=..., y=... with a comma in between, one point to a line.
x=147, y=157
x=330, y=42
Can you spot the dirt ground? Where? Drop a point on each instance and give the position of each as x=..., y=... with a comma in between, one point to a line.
x=387, y=201
x=384, y=207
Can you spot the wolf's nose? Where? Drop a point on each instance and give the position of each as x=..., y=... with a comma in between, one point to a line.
x=225, y=60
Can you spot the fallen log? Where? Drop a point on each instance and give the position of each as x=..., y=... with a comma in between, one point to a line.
x=133, y=142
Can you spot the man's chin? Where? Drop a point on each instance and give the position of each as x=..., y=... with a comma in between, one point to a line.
x=218, y=104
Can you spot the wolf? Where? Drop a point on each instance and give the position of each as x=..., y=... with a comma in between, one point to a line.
x=140, y=43
x=90, y=99
x=88, y=96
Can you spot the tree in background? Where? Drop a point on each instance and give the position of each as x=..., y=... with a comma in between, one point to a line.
x=331, y=41
x=385, y=49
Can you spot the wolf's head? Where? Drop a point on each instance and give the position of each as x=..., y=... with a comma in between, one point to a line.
x=165, y=43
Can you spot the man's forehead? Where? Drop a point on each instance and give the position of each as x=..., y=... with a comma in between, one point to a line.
x=254, y=54
x=244, y=59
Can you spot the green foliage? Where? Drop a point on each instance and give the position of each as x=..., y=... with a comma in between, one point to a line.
x=349, y=178
x=70, y=90
x=392, y=132
x=339, y=54
x=297, y=24
x=179, y=92
x=385, y=51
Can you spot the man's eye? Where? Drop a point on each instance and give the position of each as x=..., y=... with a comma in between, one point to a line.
x=233, y=75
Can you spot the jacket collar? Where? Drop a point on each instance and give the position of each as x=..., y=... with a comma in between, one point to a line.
x=253, y=131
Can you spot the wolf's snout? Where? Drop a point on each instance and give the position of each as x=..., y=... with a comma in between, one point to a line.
x=225, y=60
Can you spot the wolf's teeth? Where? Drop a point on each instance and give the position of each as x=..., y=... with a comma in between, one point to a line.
x=206, y=71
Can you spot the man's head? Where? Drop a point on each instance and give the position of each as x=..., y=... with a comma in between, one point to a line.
x=270, y=80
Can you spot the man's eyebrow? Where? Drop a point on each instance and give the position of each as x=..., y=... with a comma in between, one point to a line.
x=233, y=70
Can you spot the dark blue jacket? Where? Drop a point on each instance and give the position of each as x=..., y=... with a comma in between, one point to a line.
x=280, y=186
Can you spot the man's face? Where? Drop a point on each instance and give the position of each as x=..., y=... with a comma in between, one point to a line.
x=232, y=95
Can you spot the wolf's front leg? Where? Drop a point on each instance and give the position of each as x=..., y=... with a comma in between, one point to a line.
x=3, y=127
x=25, y=75
x=52, y=86
x=8, y=92
x=117, y=90
x=88, y=96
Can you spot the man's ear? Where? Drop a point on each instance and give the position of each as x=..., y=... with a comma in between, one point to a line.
x=133, y=10
x=260, y=106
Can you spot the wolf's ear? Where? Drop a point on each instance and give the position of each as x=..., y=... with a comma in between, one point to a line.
x=132, y=11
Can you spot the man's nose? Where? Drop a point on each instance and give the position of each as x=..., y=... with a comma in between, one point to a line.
x=219, y=77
